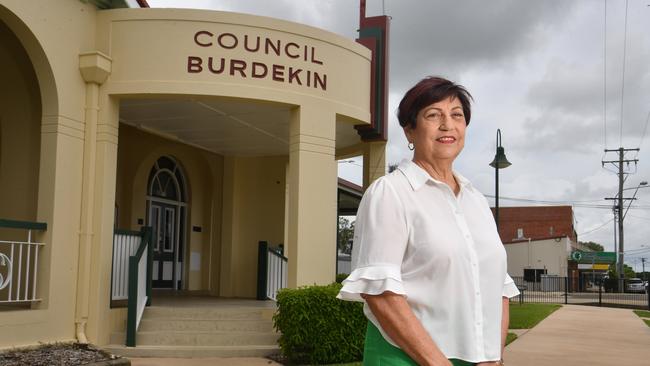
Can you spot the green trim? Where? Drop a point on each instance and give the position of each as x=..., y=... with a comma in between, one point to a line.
x=132, y=312
x=107, y=4
x=147, y=233
x=132, y=308
x=278, y=253
x=127, y=232
x=377, y=34
x=262, y=250
x=27, y=225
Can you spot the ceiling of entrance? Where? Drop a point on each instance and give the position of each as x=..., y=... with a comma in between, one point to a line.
x=223, y=125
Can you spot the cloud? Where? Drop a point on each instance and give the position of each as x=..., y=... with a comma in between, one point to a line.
x=536, y=70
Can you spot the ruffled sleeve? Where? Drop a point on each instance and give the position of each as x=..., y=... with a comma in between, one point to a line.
x=380, y=239
x=510, y=289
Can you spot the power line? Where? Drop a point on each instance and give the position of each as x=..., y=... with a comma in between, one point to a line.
x=596, y=228
x=645, y=129
x=572, y=203
x=350, y=162
x=641, y=218
x=543, y=201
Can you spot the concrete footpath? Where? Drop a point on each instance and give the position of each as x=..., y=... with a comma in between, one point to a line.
x=574, y=335
x=577, y=335
x=210, y=361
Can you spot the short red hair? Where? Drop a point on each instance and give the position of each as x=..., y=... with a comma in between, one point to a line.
x=429, y=90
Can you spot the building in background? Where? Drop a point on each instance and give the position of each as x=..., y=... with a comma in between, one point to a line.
x=538, y=240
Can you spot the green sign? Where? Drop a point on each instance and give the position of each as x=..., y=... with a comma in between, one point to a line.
x=593, y=257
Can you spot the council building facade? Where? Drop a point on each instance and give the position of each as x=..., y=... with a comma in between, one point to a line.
x=216, y=129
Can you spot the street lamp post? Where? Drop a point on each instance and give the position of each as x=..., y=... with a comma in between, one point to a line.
x=499, y=162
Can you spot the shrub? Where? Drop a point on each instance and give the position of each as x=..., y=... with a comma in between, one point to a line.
x=318, y=328
x=340, y=277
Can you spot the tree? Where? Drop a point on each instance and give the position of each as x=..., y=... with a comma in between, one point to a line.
x=593, y=246
x=629, y=271
x=345, y=235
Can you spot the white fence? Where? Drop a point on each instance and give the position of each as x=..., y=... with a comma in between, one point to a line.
x=19, y=266
x=125, y=244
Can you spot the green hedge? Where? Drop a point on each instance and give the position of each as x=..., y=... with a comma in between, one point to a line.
x=318, y=328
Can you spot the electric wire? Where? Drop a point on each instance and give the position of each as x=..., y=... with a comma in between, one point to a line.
x=645, y=129
x=578, y=204
x=596, y=228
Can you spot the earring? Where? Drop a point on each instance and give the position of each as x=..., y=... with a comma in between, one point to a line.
x=411, y=146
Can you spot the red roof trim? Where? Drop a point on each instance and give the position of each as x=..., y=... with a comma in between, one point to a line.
x=537, y=238
x=351, y=186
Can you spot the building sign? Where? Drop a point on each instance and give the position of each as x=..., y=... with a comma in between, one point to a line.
x=599, y=267
x=593, y=257
x=311, y=75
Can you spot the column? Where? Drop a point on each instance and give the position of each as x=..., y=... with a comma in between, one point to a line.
x=374, y=162
x=97, y=202
x=229, y=229
x=312, y=196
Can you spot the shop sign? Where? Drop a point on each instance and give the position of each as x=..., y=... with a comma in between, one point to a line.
x=599, y=267
x=593, y=257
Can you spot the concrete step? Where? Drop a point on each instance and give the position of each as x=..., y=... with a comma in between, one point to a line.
x=243, y=325
x=192, y=351
x=196, y=338
x=200, y=313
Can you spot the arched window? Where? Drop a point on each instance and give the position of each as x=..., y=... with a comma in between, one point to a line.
x=166, y=180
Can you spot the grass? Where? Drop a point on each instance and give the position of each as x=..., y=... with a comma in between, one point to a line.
x=642, y=313
x=510, y=338
x=647, y=322
x=527, y=316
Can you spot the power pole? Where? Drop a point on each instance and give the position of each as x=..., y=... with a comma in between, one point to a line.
x=643, y=267
x=619, y=163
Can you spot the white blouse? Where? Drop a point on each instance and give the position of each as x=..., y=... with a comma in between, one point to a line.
x=415, y=238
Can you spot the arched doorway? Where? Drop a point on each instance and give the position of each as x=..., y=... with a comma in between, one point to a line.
x=167, y=215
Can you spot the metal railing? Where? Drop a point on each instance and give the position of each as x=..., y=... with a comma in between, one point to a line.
x=131, y=278
x=19, y=261
x=271, y=271
x=579, y=291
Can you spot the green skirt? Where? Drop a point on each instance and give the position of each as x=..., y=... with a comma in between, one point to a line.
x=378, y=352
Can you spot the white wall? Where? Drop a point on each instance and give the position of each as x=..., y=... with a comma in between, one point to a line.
x=551, y=254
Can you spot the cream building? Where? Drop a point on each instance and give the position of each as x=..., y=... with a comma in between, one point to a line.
x=217, y=129
x=546, y=256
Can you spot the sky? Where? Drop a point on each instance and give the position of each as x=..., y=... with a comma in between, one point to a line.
x=563, y=80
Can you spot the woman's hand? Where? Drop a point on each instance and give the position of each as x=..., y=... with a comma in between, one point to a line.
x=398, y=321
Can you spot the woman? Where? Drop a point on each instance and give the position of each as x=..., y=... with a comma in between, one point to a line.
x=428, y=261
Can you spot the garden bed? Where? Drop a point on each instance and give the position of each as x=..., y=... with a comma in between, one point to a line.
x=60, y=354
